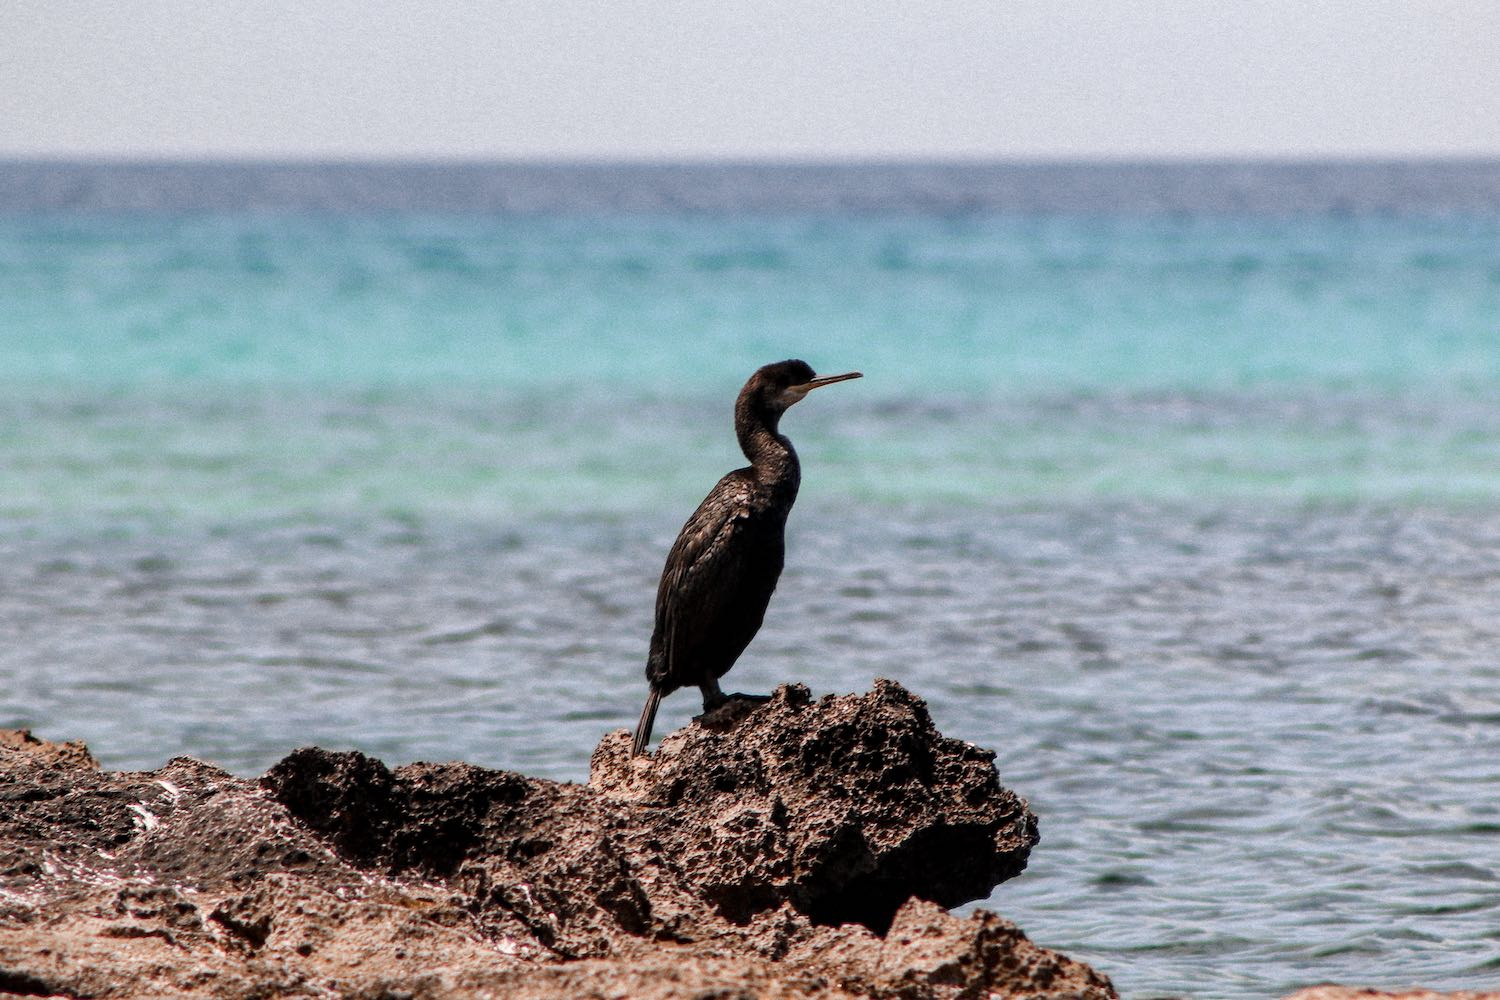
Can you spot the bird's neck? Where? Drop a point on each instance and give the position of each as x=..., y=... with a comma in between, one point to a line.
x=773, y=460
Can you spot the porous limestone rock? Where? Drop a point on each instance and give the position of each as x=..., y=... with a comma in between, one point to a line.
x=802, y=848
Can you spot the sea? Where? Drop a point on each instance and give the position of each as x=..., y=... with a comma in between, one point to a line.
x=1176, y=484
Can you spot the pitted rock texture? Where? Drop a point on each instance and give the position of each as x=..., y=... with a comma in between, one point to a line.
x=801, y=849
x=843, y=807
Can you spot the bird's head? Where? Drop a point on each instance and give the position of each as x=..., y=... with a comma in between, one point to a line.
x=775, y=387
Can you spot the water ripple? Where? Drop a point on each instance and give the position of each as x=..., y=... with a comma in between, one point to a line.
x=1241, y=789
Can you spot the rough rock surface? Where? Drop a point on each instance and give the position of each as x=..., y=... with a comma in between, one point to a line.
x=800, y=848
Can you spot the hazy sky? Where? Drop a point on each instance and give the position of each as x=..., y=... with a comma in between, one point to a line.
x=753, y=78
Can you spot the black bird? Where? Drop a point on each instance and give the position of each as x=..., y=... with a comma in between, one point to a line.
x=725, y=563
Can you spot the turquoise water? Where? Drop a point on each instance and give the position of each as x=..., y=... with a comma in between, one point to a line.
x=1286, y=358
x=1180, y=486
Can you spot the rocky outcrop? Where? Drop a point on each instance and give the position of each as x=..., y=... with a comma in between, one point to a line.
x=799, y=848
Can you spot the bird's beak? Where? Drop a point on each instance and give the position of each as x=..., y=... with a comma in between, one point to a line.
x=793, y=393
x=823, y=380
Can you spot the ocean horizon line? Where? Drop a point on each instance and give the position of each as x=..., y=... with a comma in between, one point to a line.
x=771, y=161
x=938, y=188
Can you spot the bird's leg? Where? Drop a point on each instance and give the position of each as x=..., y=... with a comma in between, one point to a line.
x=724, y=711
x=713, y=696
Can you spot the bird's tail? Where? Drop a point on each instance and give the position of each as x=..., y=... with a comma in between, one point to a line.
x=643, y=728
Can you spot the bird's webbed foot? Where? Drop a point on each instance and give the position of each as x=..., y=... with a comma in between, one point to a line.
x=714, y=698
x=726, y=710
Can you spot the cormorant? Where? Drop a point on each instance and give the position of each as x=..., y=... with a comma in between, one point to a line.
x=725, y=563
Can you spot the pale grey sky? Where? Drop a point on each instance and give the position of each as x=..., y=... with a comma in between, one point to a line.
x=764, y=78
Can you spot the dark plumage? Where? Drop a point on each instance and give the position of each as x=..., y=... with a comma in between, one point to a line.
x=724, y=566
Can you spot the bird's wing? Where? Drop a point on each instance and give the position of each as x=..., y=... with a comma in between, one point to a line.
x=703, y=571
